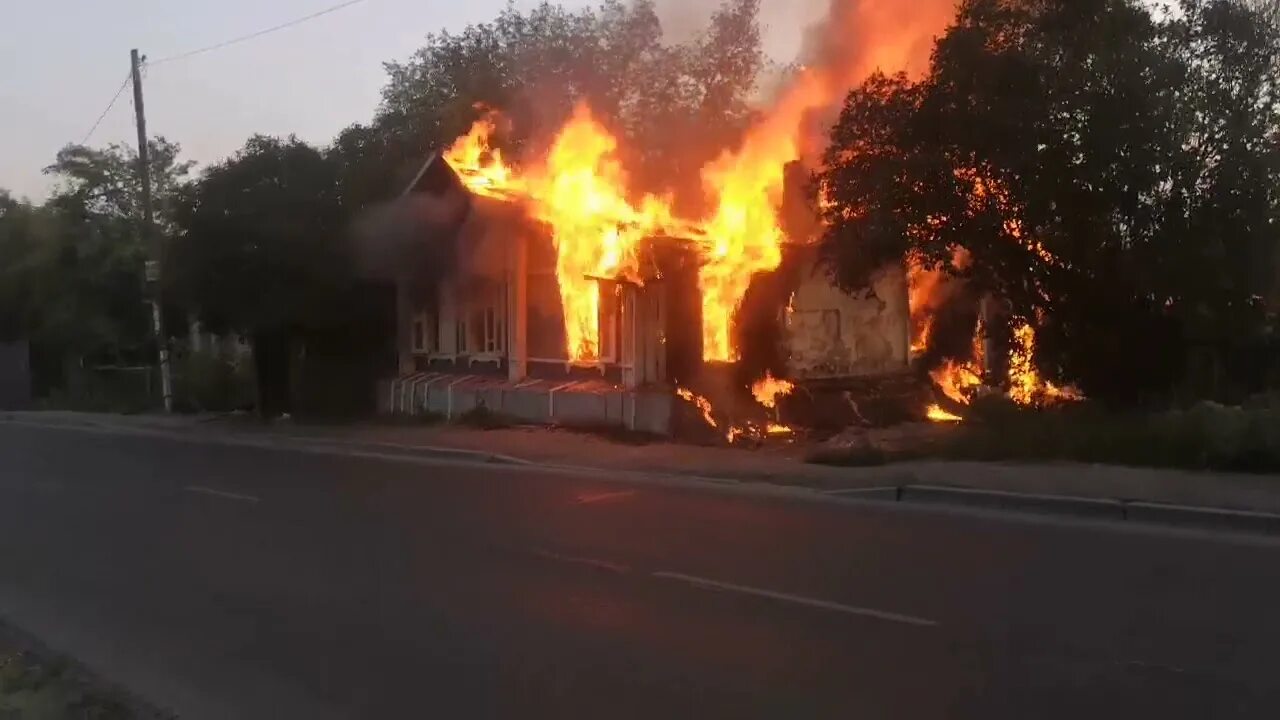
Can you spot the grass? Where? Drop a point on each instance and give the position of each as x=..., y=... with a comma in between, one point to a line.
x=1206, y=436
x=35, y=690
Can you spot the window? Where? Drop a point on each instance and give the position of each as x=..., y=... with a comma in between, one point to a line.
x=426, y=335
x=482, y=326
x=490, y=338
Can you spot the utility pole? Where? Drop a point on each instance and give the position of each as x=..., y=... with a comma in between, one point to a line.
x=149, y=235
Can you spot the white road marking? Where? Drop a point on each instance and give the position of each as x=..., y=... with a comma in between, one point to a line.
x=706, y=584
x=592, y=499
x=589, y=562
x=222, y=494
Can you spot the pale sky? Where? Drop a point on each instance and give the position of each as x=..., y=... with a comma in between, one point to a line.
x=63, y=59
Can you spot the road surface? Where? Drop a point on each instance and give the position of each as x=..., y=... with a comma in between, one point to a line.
x=252, y=583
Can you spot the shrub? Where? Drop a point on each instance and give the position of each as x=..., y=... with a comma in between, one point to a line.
x=206, y=382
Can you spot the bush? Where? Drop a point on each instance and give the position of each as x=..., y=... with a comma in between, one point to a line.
x=1205, y=436
x=205, y=382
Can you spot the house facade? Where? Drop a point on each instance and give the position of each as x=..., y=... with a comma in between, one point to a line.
x=488, y=331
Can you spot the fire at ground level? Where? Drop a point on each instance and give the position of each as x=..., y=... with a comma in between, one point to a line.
x=481, y=323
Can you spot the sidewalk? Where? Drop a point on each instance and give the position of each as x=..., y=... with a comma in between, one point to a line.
x=781, y=465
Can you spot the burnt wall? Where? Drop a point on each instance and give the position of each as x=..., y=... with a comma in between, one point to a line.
x=832, y=333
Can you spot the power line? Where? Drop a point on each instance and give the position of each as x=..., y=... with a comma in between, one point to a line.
x=110, y=105
x=259, y=33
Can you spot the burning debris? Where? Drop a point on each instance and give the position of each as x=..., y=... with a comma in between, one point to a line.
x=755, y=430
x=703, y=405
x=935, y=413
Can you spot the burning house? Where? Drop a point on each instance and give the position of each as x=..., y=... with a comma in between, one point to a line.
x=563, y=302
x=561, y=295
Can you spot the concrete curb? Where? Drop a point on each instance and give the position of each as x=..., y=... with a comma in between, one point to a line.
x=1208, y=518
x=384, y=449
x=1024, y=502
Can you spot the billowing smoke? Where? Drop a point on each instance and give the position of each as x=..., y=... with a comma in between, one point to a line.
x=414, y=232
x=782, y=22
x=858, y=37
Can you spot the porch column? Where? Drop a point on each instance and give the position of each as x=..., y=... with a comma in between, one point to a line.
x=632, y=352
x=404, y=327
x=446, y=293
x=518, y=308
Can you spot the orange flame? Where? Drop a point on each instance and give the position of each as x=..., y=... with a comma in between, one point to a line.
x=957, y=380
x=703, y=405
x=1026, y=387
x=935, y=413
x=767, y=391
x=579, y=188
x=922, y=285
x=770, y=430
x=478, y=163
x=745, y=232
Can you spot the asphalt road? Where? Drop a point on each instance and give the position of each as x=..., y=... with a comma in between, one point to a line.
x=249, y=583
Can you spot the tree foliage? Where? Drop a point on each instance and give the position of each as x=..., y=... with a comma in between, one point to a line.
x=259, y=247
x=71, y=270
x=1112, y=174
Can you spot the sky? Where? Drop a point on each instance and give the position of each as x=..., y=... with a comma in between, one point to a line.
x=64, y=59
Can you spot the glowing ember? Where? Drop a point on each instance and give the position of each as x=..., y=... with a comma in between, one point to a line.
x=935, y=413
x=752, y=430
x=703, y=405
x=768, y=390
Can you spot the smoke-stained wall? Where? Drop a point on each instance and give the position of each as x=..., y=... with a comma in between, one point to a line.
x=834, y=334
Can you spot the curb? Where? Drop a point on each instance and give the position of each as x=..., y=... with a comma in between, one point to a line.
x=1209, y=518
x=389, y=449
x=1002, y=500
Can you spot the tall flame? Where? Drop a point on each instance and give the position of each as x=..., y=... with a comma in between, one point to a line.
x=1026, y=387
x=579, y=187
x=745, y=231
x=579, y=190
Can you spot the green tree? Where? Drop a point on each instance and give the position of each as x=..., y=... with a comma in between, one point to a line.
x=91, y=298
x=260, y=251
x=1111, y=173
